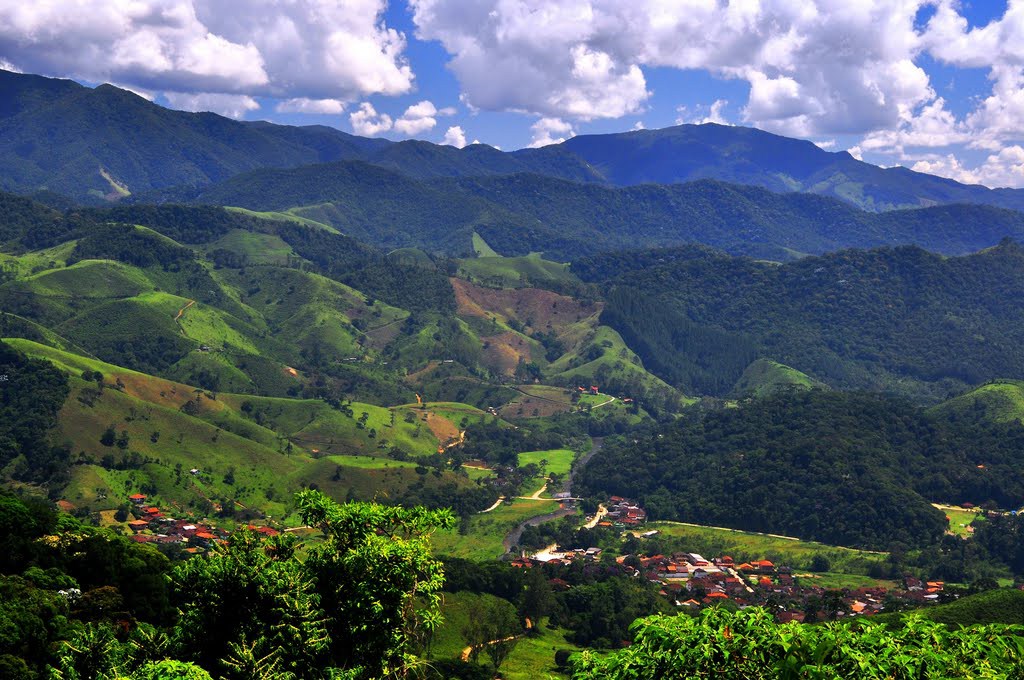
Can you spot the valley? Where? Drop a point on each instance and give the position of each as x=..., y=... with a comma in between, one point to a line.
x=534, y=396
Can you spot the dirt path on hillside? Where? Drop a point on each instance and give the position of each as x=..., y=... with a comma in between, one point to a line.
x=181, y=313
x=501, y=499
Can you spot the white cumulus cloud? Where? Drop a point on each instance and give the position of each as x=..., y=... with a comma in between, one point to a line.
x=286, y=49
x=1003, y=169
x=814, y=66
x=420, y=117
x=307, y=105
x=230, y=105
x=550, y=131
x=455, y=136
x=367, y=122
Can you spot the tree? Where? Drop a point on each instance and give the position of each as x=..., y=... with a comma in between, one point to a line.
x=494, y=629
x=375, y=575
x=537, y=598
x=249, y=597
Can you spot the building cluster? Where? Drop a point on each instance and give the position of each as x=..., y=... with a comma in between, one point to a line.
x=623, y=513
x=152, y=525
x=690, y=580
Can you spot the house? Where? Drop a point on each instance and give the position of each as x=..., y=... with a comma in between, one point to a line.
x=138, y=525
x=137, y=498
x=696, y=560
x=594, y=389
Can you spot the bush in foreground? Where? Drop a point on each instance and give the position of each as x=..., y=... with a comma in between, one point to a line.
x=749, y=645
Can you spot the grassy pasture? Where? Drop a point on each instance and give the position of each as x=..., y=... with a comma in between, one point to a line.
x=515, y=272
x=746, y=545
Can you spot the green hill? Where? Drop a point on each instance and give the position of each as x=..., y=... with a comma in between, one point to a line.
x=253, y=450
x=1000, y=401
x=765, y=377
x=994, y=606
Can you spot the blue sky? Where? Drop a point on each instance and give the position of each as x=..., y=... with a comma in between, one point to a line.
x=935, y=85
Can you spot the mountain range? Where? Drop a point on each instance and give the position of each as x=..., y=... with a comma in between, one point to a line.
x=104, y=143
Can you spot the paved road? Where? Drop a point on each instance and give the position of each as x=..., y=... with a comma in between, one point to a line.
x=570, y=507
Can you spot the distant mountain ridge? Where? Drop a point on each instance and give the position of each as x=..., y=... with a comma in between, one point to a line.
x=91, y=143
x=523, y=213
x=750, y=156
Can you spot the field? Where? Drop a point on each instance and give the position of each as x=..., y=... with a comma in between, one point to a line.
x=559, y=461
x=840, y=581
x=960, y=518
x=285, y=216
x=744, y=546
x=256, y=247
x=516, y=272
x=537, y=401
x=481, y=248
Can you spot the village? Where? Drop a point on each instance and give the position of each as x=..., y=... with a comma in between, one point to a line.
x=152, y=525
x=691, y=581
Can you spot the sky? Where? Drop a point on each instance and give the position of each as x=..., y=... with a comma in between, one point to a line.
x=933, y=85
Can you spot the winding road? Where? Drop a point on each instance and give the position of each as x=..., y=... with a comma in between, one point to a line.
x=513, y=536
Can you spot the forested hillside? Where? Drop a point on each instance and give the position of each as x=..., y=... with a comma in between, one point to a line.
x=521, y=213
x=845, y=468
x=891, y=319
